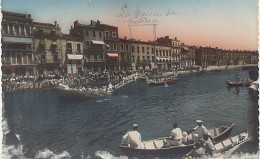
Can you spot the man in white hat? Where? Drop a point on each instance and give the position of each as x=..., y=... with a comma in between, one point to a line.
x=133, y=138
x=199, y=131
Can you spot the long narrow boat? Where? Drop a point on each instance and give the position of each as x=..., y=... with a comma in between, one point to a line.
x=155, y=146
x=161, y=83
x=76, y=94
x=241, y=84
x=227, y=147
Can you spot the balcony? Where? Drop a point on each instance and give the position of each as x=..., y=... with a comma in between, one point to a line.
x=95, y=60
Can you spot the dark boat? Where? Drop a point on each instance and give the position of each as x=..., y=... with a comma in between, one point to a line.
x=240, y=84
x=156, y=146
x=161, y=83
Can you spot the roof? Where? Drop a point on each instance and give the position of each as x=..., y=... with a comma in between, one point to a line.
x=43, y=24
x=161, y=44
x=70, y=37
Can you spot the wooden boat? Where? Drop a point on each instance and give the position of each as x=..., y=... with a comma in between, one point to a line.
x=75, y=94
x=241, y=84
x=161, y=83
x=155, y=146
x=227, y=147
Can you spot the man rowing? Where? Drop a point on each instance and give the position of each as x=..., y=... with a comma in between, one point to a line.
x=133, y=138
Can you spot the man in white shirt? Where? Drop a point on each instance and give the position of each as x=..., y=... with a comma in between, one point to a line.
x=176, y=137
x=199, y=131
x=133, y=138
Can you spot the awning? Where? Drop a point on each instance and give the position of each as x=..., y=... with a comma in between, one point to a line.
x=9, y=39
x=98, y=42
x=112, y=55
x=74, y=57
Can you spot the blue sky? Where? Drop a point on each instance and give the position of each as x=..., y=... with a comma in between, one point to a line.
x=217, y=23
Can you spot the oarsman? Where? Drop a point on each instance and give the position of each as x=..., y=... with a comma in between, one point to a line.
x=133, y=138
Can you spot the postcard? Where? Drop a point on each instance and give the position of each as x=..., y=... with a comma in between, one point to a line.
x=129, y=79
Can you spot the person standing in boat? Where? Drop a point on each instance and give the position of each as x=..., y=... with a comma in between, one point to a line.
x=133, y=138
x=199, y=131
x=237, y=79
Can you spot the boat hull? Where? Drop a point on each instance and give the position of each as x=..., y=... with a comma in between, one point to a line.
x=178, y=150
x=161, y=83
x=77, y=94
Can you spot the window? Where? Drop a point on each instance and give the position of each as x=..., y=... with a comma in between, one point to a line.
x=95, y=57
x=122, y=47
x=138, y=58
x=55, y=58
x=133, y=49
x=28, y=32
x=100, y=34
x=106, y=34
x=78, y=47
x=69, y=47
x=13, y=58
x=143, y=58
x=115, y=47
x=30, y=59
x=43, y=58
x=153, y=58
x=143, y=49
x=87, y=43
x=126, y=47
x=163, y=53
x=152, y=50
x=114, y=34
x=94, y=34
x=11, y=31
x=101, y=57
x=7, y=58
x=128, y=57
x=19, y=58
x=22, y=29
x=24, y=58
x=87, y=33
x=156, y=52
x=4, y=29
x=160, y=52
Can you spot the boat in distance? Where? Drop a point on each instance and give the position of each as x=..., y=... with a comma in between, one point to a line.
x=155, y=146
x=240, y=84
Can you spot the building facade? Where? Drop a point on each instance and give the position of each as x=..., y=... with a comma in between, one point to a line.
x=17, y=44
x=47, y=45
x=72, y=54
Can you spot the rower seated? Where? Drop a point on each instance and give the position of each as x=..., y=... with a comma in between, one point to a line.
x=133, y=138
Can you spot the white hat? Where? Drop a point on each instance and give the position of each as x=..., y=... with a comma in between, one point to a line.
x=135, y=125
x=199, y=121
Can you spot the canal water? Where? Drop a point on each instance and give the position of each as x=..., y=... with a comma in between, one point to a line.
x=39, y=124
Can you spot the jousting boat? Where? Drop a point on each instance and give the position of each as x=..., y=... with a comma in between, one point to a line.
x=155, y=146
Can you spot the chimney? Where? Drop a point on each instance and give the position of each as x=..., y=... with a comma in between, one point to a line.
x=55, y=23
x=167, y=37
x=76, y=23
x=29, y=16
x=98, y=22
x=125, y=37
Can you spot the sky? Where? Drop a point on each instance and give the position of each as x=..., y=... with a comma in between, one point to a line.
x=227, y=24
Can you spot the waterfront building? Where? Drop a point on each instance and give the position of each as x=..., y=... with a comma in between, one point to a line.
x=125, y=53
x=47, y=45
x=205, y=56
x=163, y=56
x=99, y=45
x=17, y=44
x=175, y=50
x=72, y=54
x=253, y=57
x=142, y=54
x=186, y=60
x=114, y=54
x=192, y=54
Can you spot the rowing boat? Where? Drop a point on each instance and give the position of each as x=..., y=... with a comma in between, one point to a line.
x=155, y=146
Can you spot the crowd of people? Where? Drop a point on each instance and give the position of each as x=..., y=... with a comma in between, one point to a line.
x=44, y=81
x=203, y=142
